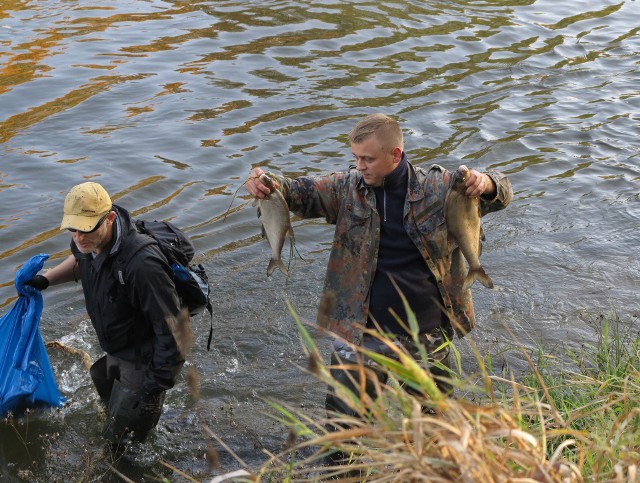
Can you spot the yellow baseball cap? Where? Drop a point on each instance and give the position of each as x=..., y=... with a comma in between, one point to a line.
x=84, y=206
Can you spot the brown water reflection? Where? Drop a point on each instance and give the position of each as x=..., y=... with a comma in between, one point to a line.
x=169, y=104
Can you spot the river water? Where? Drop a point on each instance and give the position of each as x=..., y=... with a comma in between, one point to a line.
x=169, y=104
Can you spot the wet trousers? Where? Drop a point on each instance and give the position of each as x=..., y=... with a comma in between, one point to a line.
x=118, y=382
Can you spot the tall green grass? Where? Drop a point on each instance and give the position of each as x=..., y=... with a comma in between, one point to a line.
x=596, y=402
x=553, y=424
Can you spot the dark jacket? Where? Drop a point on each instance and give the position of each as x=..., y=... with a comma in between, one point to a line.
x=132, y=319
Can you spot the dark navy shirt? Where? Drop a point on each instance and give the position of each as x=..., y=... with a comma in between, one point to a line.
x=398, y=258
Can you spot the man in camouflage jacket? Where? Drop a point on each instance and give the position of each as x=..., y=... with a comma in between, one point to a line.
x=368, y=249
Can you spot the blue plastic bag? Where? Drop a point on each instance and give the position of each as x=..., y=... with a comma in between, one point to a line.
x=26, y=378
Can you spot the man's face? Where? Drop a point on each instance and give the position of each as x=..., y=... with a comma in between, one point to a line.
x=94, y=241
x=374, y=162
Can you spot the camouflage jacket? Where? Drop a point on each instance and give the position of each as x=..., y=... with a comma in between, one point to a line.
x=344, y=200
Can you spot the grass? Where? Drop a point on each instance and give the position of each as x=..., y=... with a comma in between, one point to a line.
x=597, y=402
x=570, y=419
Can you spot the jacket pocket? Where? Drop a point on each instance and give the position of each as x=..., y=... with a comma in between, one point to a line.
x=431, y=220
x=354, y=229
x=432, y=230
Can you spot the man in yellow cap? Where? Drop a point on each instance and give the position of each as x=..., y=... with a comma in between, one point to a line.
x=133, y=305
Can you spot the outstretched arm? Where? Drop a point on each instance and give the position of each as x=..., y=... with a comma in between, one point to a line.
x=66, y=271
x=306, y=196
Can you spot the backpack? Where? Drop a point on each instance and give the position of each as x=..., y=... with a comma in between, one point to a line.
x=191, y=281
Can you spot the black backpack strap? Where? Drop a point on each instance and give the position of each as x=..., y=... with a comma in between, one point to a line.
x=210, y=310
x=130, y=249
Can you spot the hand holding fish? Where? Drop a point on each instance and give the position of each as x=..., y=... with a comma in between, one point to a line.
x=479, y=184
x=273, y=213
x=255, y=186
x=462, y=217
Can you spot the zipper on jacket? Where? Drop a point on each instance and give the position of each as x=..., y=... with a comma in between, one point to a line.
x=384, y=201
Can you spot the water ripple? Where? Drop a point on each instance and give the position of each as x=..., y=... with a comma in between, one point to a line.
x=169, y=104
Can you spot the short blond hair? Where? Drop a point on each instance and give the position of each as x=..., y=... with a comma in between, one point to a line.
x=386, y=129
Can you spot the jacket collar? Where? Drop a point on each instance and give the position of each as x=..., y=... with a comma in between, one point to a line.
x=414, y=190
x=398, y=177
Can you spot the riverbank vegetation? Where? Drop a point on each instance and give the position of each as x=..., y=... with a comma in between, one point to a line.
x=573, y=418
x=567, y=417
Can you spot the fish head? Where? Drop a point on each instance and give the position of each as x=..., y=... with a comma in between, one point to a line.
x=460, y=178
x=267, y=180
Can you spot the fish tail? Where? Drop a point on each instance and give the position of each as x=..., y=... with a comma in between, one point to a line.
x=477, y=274
x=273, y=264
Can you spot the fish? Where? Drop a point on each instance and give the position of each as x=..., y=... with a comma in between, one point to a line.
x=273, y=212
x=84, y=356
x=462, y=218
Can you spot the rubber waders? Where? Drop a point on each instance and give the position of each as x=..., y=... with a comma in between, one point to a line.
x=102, y=383
x=126, y=420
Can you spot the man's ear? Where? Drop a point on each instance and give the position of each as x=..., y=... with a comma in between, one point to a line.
x=397, y=154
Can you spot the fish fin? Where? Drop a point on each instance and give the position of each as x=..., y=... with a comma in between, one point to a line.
x=479, y=275
x=255, y=203
x=273, y=264
x=271, y=267
x=282, y=268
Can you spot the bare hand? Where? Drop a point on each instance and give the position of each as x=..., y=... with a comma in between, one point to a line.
x=479, y=184
x=255, y=186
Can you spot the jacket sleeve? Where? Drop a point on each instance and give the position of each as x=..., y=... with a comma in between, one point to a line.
x=314, y=196
x=503, y=196
x=153, y=291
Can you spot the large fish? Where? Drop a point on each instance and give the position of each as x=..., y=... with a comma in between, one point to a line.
x=273, y=211
x=462, y=216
